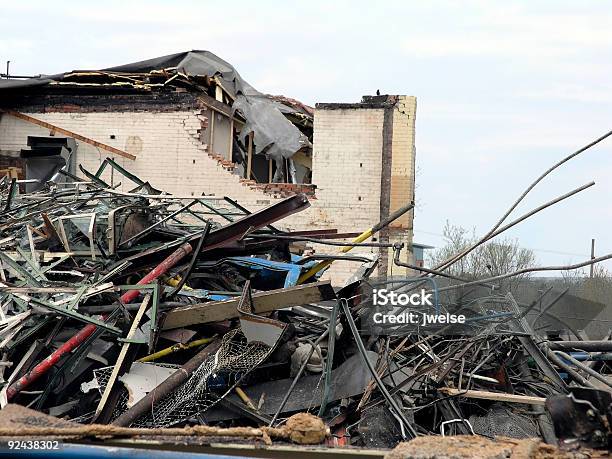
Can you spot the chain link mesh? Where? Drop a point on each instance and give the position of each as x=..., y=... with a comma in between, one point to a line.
x=214, y=378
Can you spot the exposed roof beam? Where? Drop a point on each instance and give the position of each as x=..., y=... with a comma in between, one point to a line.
x=68, y=133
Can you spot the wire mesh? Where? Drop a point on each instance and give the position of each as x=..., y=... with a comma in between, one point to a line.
x=214, y=378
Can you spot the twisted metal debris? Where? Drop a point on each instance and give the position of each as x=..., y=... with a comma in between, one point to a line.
x=138, y=308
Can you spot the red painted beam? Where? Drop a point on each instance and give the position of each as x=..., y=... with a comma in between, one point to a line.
x=78, y=339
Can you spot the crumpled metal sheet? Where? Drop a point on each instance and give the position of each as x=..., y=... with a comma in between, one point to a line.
x=348, y=380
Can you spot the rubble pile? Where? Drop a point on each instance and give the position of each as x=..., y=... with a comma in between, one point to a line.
x=146, y=310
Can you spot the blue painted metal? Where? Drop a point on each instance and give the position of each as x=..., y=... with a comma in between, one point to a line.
x=585, y=356
x=267, y=270
x=204, y=294
x=271, y=269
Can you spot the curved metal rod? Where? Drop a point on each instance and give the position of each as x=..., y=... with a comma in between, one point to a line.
x=530, y=270
x=321, y=241
x=495, y=231
x=192, y=263
x=297, y=377
x=304, y=260
x=436, y=272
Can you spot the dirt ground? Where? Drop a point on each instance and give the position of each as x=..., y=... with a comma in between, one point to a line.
x=475, y=447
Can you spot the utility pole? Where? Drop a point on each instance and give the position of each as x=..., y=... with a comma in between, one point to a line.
x=8, y=63
x=592, y=255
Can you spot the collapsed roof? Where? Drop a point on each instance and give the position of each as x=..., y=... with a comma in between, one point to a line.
x=272, y=119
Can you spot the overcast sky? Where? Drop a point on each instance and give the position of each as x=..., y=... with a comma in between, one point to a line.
x=504, y=90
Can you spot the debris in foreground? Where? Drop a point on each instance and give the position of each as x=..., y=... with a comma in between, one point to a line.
x=145, y=314
x=301, y=428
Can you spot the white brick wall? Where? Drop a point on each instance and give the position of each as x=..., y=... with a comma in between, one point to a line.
x=169, y=154
x=346, y=163
x=346, y=168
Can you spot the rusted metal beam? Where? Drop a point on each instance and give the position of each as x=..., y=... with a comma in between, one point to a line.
x=241, y=228
x=263, y=302
x=68, y=133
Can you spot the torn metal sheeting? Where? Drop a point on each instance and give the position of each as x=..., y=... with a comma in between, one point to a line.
x=348, y=380
x=178, y=335
x=142, y=379
x=257, y=329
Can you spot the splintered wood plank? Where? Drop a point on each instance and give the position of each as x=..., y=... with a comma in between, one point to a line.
x=122, y=354
x=495, y=396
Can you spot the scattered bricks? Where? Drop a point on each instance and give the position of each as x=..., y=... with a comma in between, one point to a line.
x=282, y=189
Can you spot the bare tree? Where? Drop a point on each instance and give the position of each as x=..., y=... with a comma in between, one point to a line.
x=490, y=259
x=597, y=288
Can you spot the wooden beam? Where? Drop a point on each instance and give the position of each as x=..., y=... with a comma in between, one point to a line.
x=494, y=396
x=219, y=107
x=270, y=170
x=68, y=133
x=201, y=313
x=211, y=133
x=215, y=105
x=219, y=93
x=12, y=172
x=249, y=156
x=223, y=90
x=231, y=140
x=118, y=368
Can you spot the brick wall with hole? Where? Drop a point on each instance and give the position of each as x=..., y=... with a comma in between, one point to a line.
x=170, y=155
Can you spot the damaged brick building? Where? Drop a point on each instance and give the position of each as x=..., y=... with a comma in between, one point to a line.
x=190, y=125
